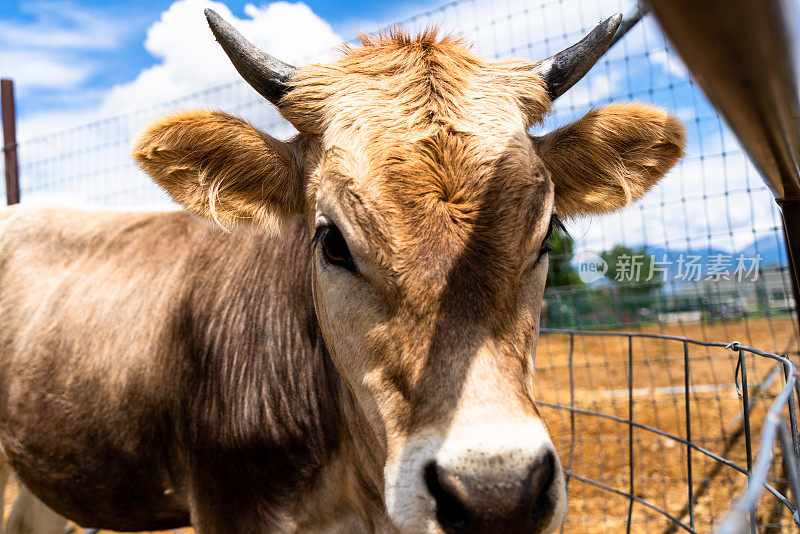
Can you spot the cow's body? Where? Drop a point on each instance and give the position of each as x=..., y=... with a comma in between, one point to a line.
x=217, y=389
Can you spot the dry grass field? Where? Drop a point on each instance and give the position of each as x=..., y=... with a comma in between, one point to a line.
x=601, y=450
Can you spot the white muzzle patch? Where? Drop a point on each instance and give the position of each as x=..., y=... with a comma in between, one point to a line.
x=482, y=464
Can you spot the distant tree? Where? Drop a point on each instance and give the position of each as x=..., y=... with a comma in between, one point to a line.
x=635, y=282
x=632, y=267
x=762, y=297
x=562, y=306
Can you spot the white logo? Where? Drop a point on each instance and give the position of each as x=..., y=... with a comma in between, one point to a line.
x=591, y=267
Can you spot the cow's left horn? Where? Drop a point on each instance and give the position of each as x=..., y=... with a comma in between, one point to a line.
x=268, y=75
x=563, y=70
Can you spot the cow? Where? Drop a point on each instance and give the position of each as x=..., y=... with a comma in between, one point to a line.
x=337, y=332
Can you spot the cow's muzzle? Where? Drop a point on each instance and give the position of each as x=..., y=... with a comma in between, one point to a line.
x=499, y=477
x=504, y=502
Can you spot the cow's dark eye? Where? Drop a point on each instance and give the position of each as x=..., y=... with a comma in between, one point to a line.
x=331, y=243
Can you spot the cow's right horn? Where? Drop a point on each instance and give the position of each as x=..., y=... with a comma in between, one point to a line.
x=563, y=70
x=266, y=74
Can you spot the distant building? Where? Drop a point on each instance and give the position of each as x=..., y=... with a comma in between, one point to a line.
x=770, y=292
x=606, y=306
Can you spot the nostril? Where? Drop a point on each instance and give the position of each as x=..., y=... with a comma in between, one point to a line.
x=542, y=478
x=450, y=512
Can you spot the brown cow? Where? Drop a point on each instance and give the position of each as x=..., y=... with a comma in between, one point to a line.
x=371, y=370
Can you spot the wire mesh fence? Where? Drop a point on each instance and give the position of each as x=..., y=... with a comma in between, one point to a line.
x=658, y=433
x=701, y=256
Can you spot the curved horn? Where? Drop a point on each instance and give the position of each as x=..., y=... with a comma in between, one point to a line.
x=266, y=74
x=563, y=70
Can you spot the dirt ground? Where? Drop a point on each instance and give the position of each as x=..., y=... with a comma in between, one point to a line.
x=600, y=450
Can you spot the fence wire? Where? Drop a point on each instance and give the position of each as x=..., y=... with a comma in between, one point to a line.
x=712, y=208
x=656, y=458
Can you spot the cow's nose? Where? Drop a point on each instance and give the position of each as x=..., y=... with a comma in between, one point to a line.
x=507, y=501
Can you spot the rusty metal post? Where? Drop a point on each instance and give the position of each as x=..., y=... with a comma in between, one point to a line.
x=743, y=55
x=790, y=214
x=9, y=140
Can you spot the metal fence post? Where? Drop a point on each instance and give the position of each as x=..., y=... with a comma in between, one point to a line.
x=790, y=211
x=9, y=140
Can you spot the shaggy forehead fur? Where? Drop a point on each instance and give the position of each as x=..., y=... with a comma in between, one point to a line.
x=398, y=85
x=433, y=134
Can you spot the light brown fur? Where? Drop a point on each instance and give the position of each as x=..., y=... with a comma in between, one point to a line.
x=611, y=157
x=215, y=164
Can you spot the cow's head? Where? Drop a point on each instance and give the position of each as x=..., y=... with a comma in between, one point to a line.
x=430, y=206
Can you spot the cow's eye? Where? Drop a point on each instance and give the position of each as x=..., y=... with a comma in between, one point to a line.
x=334, y=249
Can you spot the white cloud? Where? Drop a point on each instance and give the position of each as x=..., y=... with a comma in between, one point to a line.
x=670, y=62
x=190, y=59
x=35, y=68
x=92, y=162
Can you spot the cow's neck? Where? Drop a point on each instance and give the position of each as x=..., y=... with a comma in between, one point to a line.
x=349, y=488
x=268, y=386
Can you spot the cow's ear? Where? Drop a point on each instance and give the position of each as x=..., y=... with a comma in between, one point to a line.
x=221, y=168
x=610, y=157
